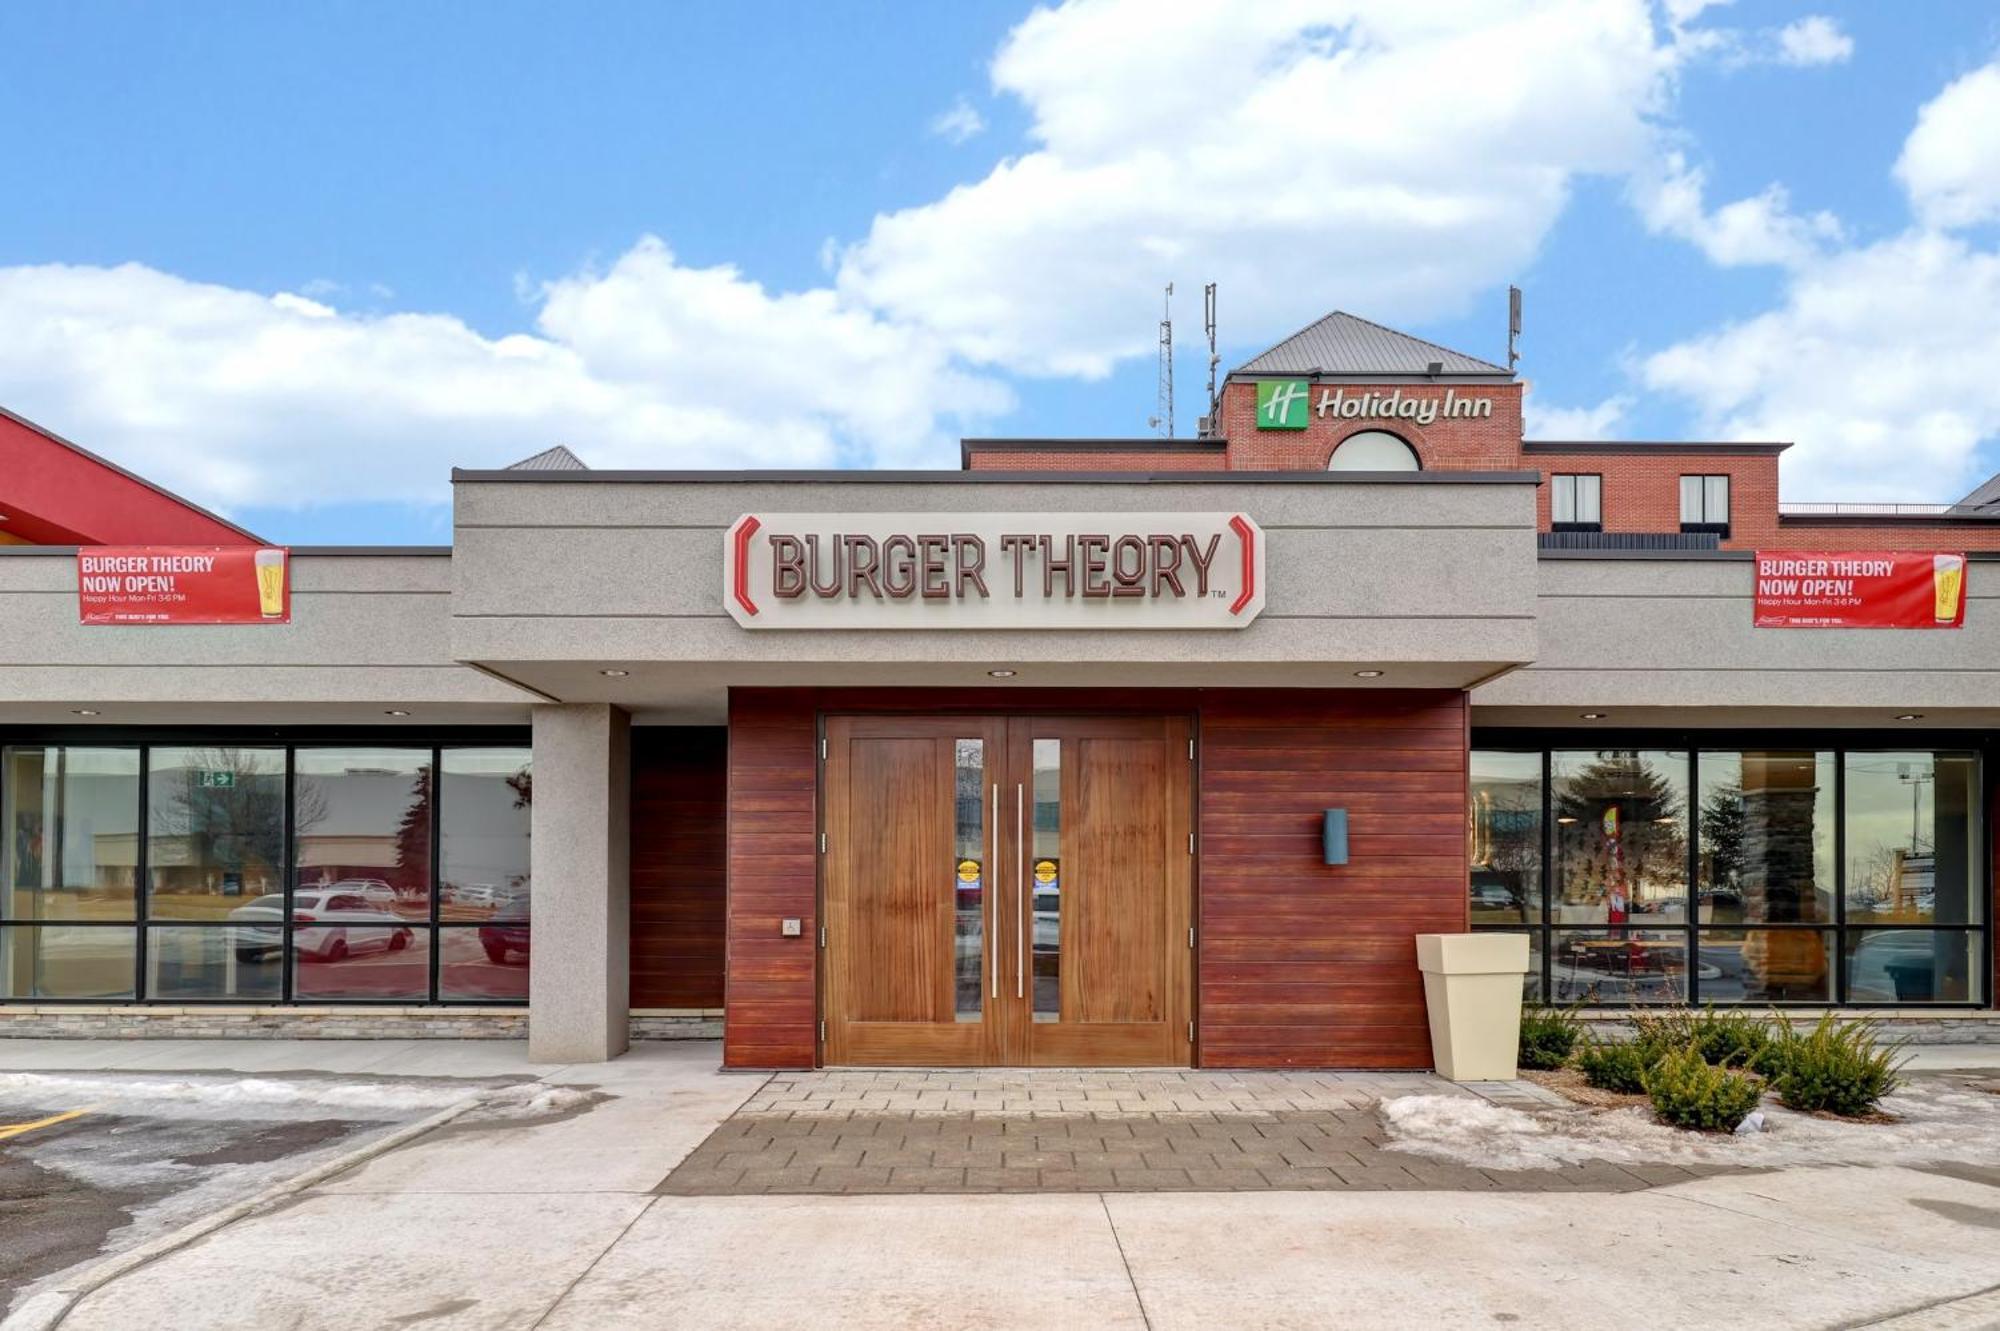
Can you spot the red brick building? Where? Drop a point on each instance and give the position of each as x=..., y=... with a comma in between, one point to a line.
x=1357, y=396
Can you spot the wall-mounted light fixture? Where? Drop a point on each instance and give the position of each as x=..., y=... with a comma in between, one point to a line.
x=1333, y=835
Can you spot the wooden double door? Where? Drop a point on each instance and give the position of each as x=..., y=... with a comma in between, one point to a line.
x=1007, y=891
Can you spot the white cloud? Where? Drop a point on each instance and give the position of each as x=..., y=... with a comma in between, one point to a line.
x=238, y=398
x=1950, y=165
x=1878, y=361
x=1878, y=365
x=1813, y=40
x=1296, y=151
x=958, y=122
x=1760, y=229
x=1572, y=423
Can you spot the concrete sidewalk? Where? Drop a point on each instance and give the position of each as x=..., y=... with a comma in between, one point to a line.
x=556, y=1224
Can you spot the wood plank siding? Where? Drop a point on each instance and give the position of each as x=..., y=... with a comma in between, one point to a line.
x=1303, y=964
x=1299, y=964
x=772, y=1000
x=679, y=808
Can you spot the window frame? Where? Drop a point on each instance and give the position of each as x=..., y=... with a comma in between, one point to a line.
x=1576, y=522
x=1840, y=744
x=1705, y=519
x=433, y=742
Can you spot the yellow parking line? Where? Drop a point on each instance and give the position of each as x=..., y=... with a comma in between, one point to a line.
x=16, y=1129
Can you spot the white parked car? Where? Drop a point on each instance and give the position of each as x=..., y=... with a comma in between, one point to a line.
x=338, y=925
x=374, y=889
x=475, y=894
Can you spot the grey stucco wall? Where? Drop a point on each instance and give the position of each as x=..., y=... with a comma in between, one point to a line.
x=367, y=633
x=1435, y=571
x=1627, y=636
x=579, y=990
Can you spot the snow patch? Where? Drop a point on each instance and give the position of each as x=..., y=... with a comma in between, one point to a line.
x=227, y=1097
x=1937, y=1121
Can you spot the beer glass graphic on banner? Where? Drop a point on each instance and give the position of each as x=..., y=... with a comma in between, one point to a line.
x=271, y=583
x=1948, y=576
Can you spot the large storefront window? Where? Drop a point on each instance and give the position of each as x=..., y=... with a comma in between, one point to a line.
x=266, y=873
x=1758, y=876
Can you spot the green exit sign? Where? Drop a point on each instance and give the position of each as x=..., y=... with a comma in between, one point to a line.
x=216, y=780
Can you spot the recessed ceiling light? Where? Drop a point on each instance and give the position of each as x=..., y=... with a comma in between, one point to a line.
x=1911, y=716
x=84, y=711
x=1001, y=674
x=1368, y=674
x=1594, y=716
x=614, y=674
x=395, y=711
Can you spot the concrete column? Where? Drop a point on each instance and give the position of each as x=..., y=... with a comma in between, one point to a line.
x=579, y=983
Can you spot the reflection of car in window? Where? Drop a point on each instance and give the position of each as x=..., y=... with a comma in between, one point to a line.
x=1048, y=918
x=339, y=924
x=504, y=935
x=1894, y=966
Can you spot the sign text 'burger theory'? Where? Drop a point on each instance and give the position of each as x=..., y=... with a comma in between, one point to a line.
x=993, y=570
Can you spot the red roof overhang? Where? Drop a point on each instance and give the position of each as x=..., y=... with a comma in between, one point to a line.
x=55, y=493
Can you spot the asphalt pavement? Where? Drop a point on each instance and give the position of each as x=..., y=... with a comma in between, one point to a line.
x=93, y=1161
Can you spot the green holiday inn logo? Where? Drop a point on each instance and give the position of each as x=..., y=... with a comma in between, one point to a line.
x=1281, y=404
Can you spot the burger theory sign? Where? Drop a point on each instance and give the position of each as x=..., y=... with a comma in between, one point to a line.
x=993, y=570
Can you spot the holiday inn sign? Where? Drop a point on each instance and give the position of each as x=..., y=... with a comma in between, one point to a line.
x=1287, y=404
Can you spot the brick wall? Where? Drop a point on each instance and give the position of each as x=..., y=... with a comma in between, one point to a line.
x=1642, y=491
x=993, y=459
x=1797, y=534
x=1489, y=444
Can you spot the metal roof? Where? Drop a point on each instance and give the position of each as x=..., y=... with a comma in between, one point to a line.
x=1340, y=343
x=1986, y=498
x=550, y=459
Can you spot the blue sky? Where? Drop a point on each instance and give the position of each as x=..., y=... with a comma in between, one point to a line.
x=297, y=261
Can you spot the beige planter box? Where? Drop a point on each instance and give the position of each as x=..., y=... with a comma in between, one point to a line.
x=1472, y=986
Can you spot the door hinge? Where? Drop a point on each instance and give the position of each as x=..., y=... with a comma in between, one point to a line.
x=822, y=843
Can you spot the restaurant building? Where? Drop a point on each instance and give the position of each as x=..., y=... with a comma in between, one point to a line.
x=1092, y=752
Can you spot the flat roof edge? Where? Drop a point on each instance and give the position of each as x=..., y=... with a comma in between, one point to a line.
x=311, y=551
x=1977, y=556
x=1704, y=446
x=944, y=477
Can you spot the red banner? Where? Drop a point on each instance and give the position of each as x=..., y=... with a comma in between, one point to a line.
x=161, y=584
x=1869, y=589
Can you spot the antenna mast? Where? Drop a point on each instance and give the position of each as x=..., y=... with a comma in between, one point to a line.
x=1163, y=411
x=1513, y=326
x=1208, y=326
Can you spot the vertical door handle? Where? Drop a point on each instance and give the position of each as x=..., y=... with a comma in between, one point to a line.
x=992, y=895
x=1020, y=890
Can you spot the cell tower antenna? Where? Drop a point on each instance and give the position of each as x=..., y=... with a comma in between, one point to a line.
x=1208, y=327
x=1513, y=326
x=1163, y=411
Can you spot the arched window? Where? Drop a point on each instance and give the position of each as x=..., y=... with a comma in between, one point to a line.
x=1373, y=450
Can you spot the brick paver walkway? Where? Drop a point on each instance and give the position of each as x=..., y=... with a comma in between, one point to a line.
x=1034, y=1130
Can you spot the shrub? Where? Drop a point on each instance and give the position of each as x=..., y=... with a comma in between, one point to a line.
x=1724, y=1039
x=1688, y=1093
x=1662, y=1032
x=1729, y=1039
x=1548, y=1035
x=1615, y=1067
x=1837, y=1067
